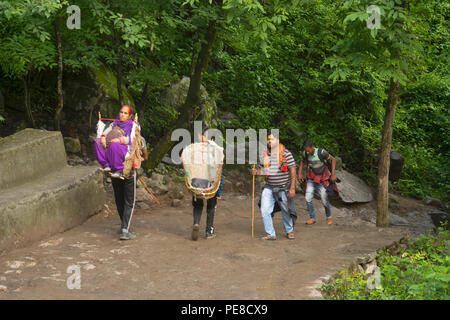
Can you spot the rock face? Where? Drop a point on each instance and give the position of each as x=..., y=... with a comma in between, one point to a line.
x=434, y=202
x=40, y=194
x=438, y=217
x=175, y=96
x=353, y=189
x=156, y=184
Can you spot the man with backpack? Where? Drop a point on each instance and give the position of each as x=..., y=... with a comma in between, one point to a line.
x=320, y=175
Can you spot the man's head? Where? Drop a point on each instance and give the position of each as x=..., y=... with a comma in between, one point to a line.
x=272, y=141
x=203, y=137
x=308, y=146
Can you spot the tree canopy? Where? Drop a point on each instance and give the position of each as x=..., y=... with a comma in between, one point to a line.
x=313, y=69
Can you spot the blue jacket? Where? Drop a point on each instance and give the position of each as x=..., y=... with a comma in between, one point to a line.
x=220, y=190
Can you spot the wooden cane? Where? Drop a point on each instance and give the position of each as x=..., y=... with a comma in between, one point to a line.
x=253, y=204
x=146, y=188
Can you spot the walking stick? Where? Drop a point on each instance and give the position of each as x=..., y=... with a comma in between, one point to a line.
x=253, y=204
x=146, y=188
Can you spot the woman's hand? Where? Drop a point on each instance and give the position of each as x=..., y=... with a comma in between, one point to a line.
x=103, y=142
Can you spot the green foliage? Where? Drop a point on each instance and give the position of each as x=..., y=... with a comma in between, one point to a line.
x=312, y=69
x=420, y=272
x=421, y=136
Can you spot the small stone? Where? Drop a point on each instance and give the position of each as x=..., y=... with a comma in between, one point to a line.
x=393, y=198
x=176, y=193
x=176, y=203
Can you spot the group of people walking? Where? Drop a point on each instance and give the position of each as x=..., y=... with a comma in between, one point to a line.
x=277, y=165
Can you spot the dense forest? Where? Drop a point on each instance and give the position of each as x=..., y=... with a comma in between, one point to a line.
x=313, y=69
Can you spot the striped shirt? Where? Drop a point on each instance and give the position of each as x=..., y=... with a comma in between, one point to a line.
x=276, y=177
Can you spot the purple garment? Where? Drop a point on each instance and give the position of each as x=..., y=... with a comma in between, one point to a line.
x=114, y=155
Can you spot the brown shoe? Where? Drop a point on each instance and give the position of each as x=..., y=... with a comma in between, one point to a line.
x=290, y=235
x=311, y=221
x=329, y=221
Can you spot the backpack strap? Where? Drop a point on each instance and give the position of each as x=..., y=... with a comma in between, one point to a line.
x=325, y=161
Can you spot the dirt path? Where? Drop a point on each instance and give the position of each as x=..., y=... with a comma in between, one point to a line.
x=163, y=263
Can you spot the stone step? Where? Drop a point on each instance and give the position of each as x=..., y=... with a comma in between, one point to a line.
x=53, y=203
x=30, y=154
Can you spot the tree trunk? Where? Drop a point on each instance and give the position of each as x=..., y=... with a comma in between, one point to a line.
x=119, y=67
x=60, y=76
x=27, y=100
x=192, y=99
x=383, y=163
x=193, y=61
x=119, y=58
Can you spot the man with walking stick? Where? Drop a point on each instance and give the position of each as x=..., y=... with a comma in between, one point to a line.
x=278, y=165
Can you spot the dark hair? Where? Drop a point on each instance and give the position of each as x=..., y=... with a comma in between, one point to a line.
x=307, y=144
x=206, y=128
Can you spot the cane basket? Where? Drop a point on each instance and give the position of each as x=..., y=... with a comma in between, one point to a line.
x=202, y=163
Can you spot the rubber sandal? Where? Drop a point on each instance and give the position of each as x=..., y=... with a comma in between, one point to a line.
x=268, y=238
x=290, y=235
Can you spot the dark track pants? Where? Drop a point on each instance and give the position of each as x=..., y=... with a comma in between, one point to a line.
x=210, y=210
x=124, y=194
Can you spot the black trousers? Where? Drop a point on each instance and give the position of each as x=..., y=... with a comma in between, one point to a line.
x=124, y=195
x=210, y=210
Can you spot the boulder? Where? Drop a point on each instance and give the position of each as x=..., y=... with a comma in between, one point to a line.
x=176, y=94
x=438, y=217
x=155, y=180
x=157, y=184
x=176, y=203
x=142, y=195
x=176, y=193
x=393, y=198
x=160, y=189
x=434, y=202
x=353, y=189
x=396, y=220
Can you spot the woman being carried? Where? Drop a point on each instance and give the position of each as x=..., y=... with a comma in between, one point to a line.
x=112, y=147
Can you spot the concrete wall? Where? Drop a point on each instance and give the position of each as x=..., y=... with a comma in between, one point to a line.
x=40, y=194
x=30, y=154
